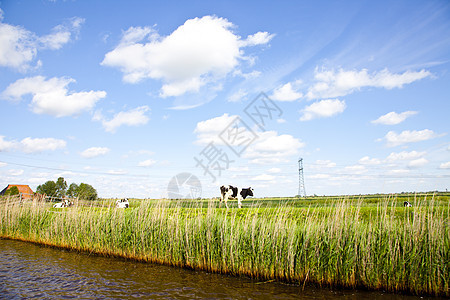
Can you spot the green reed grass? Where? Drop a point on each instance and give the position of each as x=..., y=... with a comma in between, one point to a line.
x=346, y=242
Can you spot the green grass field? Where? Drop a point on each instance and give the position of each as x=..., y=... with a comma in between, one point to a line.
x=368, y=242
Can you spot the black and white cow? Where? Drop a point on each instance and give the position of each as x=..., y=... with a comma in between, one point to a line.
x=233, y=192
x=407, y=204
x=123, y=203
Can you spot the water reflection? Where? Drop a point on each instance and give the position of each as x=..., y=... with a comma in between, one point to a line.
x=31, y=271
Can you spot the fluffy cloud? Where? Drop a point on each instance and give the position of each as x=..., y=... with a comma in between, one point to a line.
x=322, y=109
x=147, y=163
x=335, y=84
x=287, y=92
x=356, y=169
x=209, y=130
x=394, y=118
x=19, y=47
x=404, y=155
x=94, y=152
x=393, y=139
x=266, y=147
x=270, y=147
x=324, y=163
x=238, y=96
x=369, y=161
x=198, y=52
x=258, y=38
x=32, y=145
x=132, y=117
x=52, y=96
x=263, y=177
x=416, y=163
x=445, y=165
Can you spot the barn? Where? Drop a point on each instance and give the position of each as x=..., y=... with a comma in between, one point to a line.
x=25, y=190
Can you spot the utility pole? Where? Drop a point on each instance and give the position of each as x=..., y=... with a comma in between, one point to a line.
x=301, y=179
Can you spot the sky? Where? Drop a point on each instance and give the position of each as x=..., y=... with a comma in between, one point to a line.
x=149, y=99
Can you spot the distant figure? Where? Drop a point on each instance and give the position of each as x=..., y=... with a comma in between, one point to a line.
x=122, y=203
x=407, y=204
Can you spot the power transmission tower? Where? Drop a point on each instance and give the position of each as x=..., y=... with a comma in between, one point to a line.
x=301, y=179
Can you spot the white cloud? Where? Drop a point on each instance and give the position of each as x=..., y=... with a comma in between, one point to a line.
x=393, y=118
x=445, y=165
x=31, y=145
x=19, y=47
x=393, y=139
x=15, y=172
x=266, y=147
x=336, y=84
x=197, y=53
x=420, y=162
x=366, y=160
x=117, y=172
x=404, y=155
x=264, y=177
x=6, y=145
x=356, y=169
x=272, y=148
x=209, y=130
x=132, y=117
x=238, y=96
x=325, y=163
x=52, y=96
x=287, y=92
x=2, y=164
x=94, y=152
x=274, y=170
x=258, y=38
x=322, y=109
x=319, y=176
x=147, y=163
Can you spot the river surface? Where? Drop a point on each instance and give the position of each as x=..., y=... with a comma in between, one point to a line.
x=30, y=271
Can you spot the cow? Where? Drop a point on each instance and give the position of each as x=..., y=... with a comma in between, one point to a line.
x=407, y=204
x=230, y=191
x=59, y=205
x=122, y=203
x=65, y=203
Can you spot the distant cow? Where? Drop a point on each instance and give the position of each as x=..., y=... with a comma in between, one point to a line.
x=407, y=204
x=59, y=205
x=230, y=191
x=65, y=203
x=122, y=203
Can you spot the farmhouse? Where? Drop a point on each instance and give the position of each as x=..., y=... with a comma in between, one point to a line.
x=25, y=190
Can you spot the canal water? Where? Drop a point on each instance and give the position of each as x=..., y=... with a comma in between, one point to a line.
x=30, y=271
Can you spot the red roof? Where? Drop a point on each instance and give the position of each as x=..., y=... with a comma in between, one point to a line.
x=23, y=189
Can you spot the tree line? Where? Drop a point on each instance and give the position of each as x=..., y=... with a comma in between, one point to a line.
x=60, y=189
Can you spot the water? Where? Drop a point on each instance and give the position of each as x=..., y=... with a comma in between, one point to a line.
x=32, y=271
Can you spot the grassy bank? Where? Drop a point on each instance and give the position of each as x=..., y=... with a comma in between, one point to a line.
x=347, y=242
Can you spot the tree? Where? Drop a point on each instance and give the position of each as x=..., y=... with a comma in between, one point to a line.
x=86, y=191
x=12, y=191
x=61, y=187
x=48, y=188
x=73, y=190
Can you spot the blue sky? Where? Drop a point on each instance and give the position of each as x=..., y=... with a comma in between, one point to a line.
x=125, y=95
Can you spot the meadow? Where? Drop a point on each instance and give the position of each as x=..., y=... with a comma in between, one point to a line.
x=369, y=242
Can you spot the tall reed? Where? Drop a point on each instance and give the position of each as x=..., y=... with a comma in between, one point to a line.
x=343, y=243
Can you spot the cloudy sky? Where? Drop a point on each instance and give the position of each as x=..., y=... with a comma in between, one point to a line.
x=127, y=95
